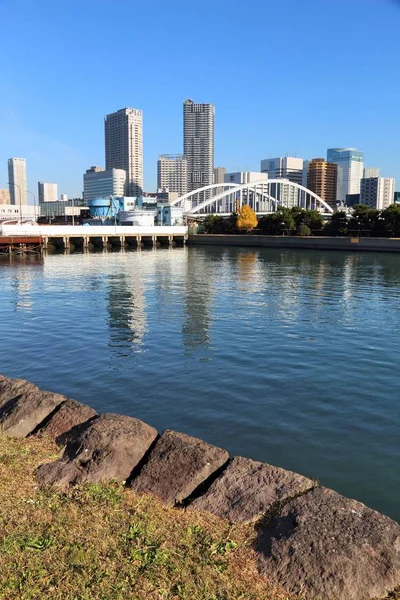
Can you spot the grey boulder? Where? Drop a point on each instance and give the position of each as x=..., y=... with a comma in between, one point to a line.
x=247, y=490
x=63, y=423
x=22, y=414
x=107, y=448
x=177, y=465
x=328, y=547
x=10, y=388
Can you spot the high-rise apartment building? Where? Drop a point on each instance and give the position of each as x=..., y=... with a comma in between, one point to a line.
x=377, y=192
x=198, y=143
x=5, y=197
x=17, y=180
x=219, y=174
x=124, y=147
x=172, y=173
x=48, y=192
x=100, y=183
x=322, y=179
x=350, y=162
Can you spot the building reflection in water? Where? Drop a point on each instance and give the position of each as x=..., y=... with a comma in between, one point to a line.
x=127, y=312
x=197, y=299
x=25, y=276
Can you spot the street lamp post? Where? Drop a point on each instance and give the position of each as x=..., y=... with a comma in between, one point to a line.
x=20, y=200
x=34, y=203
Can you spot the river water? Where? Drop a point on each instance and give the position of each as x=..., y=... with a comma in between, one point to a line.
x=288, y=357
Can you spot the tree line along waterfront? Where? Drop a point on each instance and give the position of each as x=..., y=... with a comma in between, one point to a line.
x=362, y=222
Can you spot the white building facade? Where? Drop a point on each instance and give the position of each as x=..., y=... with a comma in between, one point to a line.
x=350, y=162
x=100, y=183
x=124, y=147
x=47, y=192
x=240, y=177
x=198, y=143
x=377, y=192
x=172, y=173
x=284, y=167
x=17, y=180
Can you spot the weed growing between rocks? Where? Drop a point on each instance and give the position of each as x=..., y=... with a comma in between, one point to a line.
x=104, y=542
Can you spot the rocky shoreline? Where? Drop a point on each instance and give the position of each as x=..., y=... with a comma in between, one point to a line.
x=310, y=539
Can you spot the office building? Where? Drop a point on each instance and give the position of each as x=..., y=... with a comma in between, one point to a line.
x=245, y=177
x=124, y=147
x=397, y=197
x=47, y=192
x=322, y=179
x=371, y=172
x=350, y=164
x=172, y=173
x=284, y=167
x=219, y=174
x=17, y=180
x=377, y=192
x=64, y=198
x=100, y=183
x=5, y=197
x=352, y=199
x=198, y=143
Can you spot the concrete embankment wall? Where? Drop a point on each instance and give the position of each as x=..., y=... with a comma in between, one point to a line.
x=309, y=539
x=366, y=244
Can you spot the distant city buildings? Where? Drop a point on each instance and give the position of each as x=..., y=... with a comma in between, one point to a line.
x=377, y=192
x=47, y=192
x=5, y=197
x=124, y=147
x=17, y=180
x=172, y=173
x=284, y=167
x=198, y=143
x=322, y=179
x=219, y=174
x=350, y=162
x=245, y=177
x=100, y=183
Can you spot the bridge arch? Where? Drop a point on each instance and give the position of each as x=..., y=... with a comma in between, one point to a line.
x=255, y=192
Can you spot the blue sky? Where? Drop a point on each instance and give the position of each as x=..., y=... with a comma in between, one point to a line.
x=293, y=76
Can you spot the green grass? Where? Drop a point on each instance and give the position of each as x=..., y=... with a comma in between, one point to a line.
x=103, y=542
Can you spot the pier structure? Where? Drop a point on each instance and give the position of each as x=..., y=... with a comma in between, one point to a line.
x=84, y=237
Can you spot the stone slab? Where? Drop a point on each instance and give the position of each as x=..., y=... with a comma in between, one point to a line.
x=10, y=388
x=328, y=547
x=248, y=489
x=108, y=448
x=22, y=414
x=177, y=465
x=68, y=416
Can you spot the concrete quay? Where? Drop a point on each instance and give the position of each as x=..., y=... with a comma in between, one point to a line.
x=358, y=244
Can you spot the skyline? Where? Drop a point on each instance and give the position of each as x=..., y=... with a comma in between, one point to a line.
x=340, y=90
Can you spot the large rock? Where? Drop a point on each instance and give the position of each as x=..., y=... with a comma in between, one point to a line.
x=247, y=490
x=177, y=465
x=328, y=547
x=22, y=414
x=108, y=447
x=10, y=388
x=65, y=420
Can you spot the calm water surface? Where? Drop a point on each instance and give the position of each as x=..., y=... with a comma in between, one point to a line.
x=289, y=357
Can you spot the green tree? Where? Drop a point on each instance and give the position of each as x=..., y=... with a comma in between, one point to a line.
x=303, y=230
x=391, y=220
x=246, y=219
x=284, y=221
x=338, y=224
x=364, y=220
x=213, y=224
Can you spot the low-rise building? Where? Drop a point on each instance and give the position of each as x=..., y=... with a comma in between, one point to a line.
x=5, y=197
x=240, y=177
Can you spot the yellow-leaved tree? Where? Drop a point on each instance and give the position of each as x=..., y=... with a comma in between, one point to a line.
x=246, y=219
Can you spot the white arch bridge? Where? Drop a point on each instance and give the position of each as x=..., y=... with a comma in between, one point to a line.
x=264, y=196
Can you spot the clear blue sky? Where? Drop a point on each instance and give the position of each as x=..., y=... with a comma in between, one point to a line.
x=293, y=76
